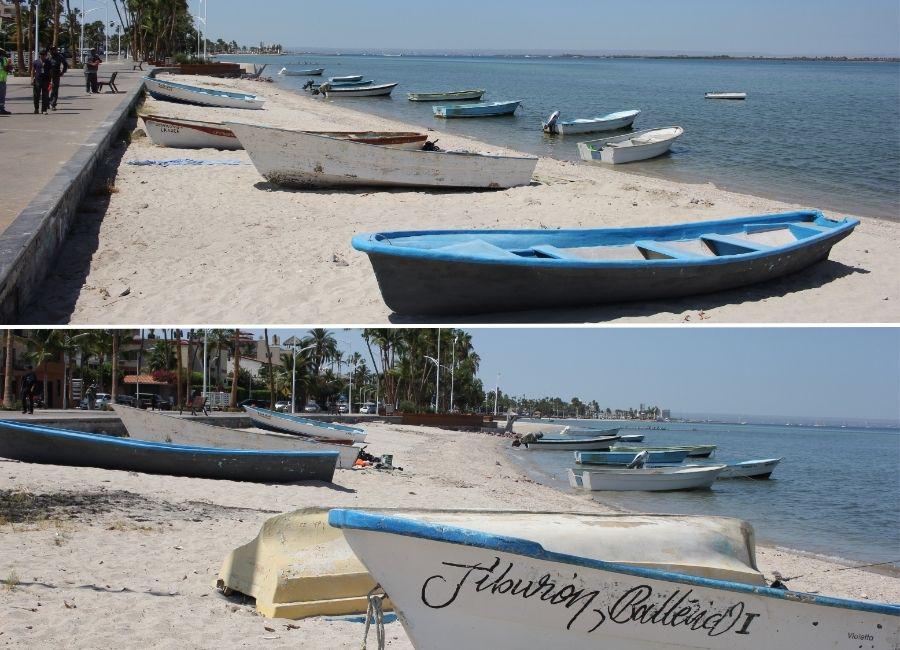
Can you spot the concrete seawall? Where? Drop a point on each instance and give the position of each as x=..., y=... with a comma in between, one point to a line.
x=30, y=243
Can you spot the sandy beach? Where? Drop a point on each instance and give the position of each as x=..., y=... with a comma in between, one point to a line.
x=97, y=558
x=218, y=244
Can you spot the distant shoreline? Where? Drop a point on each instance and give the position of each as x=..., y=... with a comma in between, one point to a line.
x=661, y=57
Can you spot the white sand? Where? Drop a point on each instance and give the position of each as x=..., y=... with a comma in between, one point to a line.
x=136, y=568
x=221, y=245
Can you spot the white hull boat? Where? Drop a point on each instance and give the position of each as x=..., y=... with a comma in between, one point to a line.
x=189, y=134
x=610, y=122
x=349, y=77
x=751, y=468
x=575, y=443
x=315, y=72
x=296, y=158
x=459, y=95
x=324, y=431
x=632, y=437
x=462, y=585
x=187, y=94
x=721, y=95
x=649, y=479
x=379, y=90
x=631, y=147
x=155, y=426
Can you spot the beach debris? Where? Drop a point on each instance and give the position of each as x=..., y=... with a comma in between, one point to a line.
x=138, y=133
x=340, y=261
x=182, y=162
x=69, y=606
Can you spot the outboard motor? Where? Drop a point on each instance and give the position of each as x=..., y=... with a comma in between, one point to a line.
x=639, y=461
x=550, y=124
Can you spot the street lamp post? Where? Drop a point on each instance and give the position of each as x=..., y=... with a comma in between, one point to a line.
x=37, y=16
x=83, y=17
x=496, y=393
x=453, y=370
x=294, y=375
x=437, y=369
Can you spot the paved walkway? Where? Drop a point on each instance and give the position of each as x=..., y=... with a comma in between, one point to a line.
x=34, y=147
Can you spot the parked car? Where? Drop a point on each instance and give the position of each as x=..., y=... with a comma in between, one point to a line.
x=283, y=406
x=102, y=401
x=125, y=400
x=342, y=407
x=368, y=409
x=258, y=403
x=311, y=407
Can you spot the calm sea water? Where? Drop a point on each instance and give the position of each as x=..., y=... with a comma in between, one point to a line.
x=835, y=493
x=822, y=134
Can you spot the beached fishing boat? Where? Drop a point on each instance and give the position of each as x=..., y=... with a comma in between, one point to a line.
x=693, y=451
x=646, y=479
x=761, y=469
x=460, y=584
x=632, y=437
x=379, y=90
x=608, y=122
x=346, y=78
x=602, y=441
x=33, y=443
x=725, y=95
x=312, y=85
x=434, y=271
x=487, y=109
x=155, y=426
x=631, y=147
x=185, y=94
x=455, y=95
x=672, y=456
x=312, y=72
x=302, y=159
x=179, y=133
x=315, y=429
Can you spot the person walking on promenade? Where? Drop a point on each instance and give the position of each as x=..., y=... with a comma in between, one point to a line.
x=58, y=67
x=29, y=386
x=92, y=67
x=5, y=69
x=40, y=82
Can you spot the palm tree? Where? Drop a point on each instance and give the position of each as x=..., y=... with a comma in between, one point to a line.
x=43, y=345
x=9, y=400
x=270, y=373
x=20, y=63
x=219, y=339
x=236, y=345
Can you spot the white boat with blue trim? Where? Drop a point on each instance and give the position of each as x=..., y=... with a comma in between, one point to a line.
x=315, y=429
x=646, y=479
x=761, y=468
x=311, y=72
x=547, y=582
x=631, y=147
x=171, y=91
x=547, y=269
x=608, y=122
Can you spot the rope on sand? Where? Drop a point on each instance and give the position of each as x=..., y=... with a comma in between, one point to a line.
x=375, y=612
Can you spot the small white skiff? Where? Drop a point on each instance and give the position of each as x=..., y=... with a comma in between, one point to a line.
x=630, y=147
x=375, y=90
x=315, y=429
x=189, y=134
x=610, y=122
x=187, y=94
x=725, y=95
x=648, y=479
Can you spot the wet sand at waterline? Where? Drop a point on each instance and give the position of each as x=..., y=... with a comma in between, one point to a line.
x=220, y=244
x=98, y=558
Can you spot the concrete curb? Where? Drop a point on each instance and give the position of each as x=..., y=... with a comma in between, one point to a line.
x=31, y=242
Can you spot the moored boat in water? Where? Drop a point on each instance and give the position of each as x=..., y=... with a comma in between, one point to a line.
x=726, y=95
x=310, y=72
x=486, y=109
x=453, y=95
x=33, y=443
x=602, y=440
x=671, y=456
x=693, y=451
x=608, y=122
x=186, y=94
x=346, y=78
x=371, y=90
x=761, y=468
x=631, y=147
x=646, y=479
x=552, y=583
x=434, y=271
x=297, y=158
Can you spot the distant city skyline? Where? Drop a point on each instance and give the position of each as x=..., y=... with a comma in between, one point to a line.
x=765, y=27
x=812, y=373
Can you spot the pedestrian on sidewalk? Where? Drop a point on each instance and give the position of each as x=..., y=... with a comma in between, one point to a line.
x=40, y=82
x=5, y=69
x=92, y=67
x=58, y=67
x=29, y=386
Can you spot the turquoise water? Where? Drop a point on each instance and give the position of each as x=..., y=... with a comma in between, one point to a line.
x=822, y=134
x=835, y=493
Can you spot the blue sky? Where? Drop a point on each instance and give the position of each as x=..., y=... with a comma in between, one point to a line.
x=851, y=27
x=813, y=372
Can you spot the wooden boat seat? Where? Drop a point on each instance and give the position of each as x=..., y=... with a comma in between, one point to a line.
x=728, y=245
x=655, y=250
x=769, y=235
x=628, y=252
x=476, y=248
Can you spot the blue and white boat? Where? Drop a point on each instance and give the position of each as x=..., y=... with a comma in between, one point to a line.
x=315, y=429
x=608, y=122
x=626, y=457
x=760, y=468
x=171, y=91
x=349, y=78
x=554, y=580
x=477, y=271
x=32, y=443
x=485, y=109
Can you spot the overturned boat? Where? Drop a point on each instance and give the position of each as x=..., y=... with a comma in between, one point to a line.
x=435, y=271
x=303, y=159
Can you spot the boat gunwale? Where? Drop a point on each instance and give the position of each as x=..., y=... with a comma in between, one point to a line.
x=137, y=443
x=348, y=518
x=210, y=128
x=370, y=244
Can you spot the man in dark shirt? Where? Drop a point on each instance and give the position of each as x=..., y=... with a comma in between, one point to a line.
x=58, y=67
x=29, y=386
x=40, y=82
x=93, y=67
